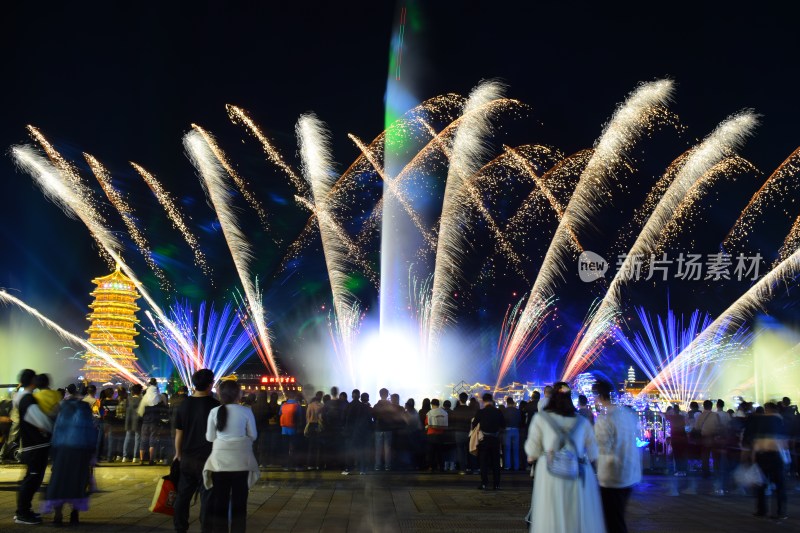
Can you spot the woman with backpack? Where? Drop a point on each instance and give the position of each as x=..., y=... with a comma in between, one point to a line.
x=73, y=453
x=565, y=492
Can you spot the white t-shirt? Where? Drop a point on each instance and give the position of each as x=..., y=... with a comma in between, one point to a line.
x=240, y=423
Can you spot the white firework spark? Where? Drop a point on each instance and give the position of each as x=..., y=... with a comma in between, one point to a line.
x=237, y=179
x=629, y=122
x=219, y=195
x=469, y=149
x=71, y=174
x=315, y=153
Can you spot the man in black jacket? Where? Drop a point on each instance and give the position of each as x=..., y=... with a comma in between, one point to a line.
x=192, y=449
x=383, y=413
x=492, y=423
x=35, y=445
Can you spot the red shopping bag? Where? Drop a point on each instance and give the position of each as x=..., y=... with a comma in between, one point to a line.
x=164, y=498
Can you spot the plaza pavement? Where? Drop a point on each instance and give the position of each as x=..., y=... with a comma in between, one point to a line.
x=399, y=502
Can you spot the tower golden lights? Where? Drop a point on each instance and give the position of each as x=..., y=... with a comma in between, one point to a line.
x=113, y=320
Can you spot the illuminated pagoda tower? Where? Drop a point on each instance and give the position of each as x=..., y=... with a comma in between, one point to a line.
x=113, y=319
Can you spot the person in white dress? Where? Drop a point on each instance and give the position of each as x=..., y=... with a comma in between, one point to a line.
x=562, y=505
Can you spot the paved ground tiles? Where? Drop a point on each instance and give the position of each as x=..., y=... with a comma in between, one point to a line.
x=400, y=502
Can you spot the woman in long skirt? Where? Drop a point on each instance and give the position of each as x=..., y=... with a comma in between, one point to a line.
x=562, y=505
x=72, y=451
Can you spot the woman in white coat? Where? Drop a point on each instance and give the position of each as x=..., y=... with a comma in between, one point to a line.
x=559, y=504
x=231, y=470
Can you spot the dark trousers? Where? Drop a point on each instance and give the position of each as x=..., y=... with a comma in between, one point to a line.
x=614, y=503
x=489, y=457
x=271, y=446
x=332, y=449
x=229, y=493
x=383, y=449
x=314, y=446
x=291, y=445
x=190, y=482
x=680, y=451
x=436, y=452
x=462, y=449
x=100, y=437
x=772, y=465
x=36, y=463
x=261, y=446
x=710, y=452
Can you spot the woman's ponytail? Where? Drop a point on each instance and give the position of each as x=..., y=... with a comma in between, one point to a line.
x=228, y=393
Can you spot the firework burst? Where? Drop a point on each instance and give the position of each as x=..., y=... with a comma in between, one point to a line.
x=728, y=136
x=629, y=122
x=56, y=188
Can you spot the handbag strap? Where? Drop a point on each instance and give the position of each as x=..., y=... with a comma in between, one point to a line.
x=563, y=435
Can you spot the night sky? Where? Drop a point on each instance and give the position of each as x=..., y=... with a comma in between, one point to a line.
x=124, y=82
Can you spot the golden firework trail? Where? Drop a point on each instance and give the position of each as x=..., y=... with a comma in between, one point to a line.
x=174, y=215
x=219, y=193
x=441, y=105
x=439, y=143
x=629, y=122
x=659, y=189
x=356, y=254
x=475, y=198
x=781, y=182
x=69, y=337
x=680, y=222
x=67, y=170
x=59, y=191
x=792, y=240
x=240, y=182
x=469, y=148
x=240, y=116
x=553, y=178
x=529, y=171
x=726, y=138
x=393, y=190
x=127, y=214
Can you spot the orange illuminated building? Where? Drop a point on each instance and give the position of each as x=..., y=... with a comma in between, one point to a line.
x=261, y=382
x=113, y=328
